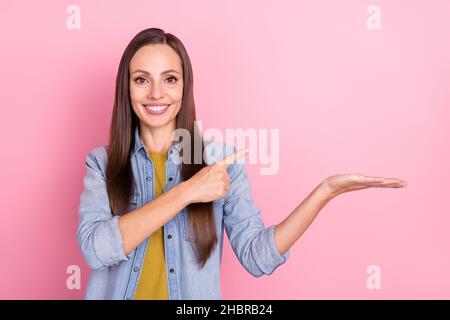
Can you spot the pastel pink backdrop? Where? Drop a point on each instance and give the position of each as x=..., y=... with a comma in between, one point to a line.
x=345, y=98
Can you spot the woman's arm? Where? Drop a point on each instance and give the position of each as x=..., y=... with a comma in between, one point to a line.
x=138, y=224
x=289, y=230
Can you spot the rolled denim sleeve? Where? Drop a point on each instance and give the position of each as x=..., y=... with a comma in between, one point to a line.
x=98, y=233
x=253, y=244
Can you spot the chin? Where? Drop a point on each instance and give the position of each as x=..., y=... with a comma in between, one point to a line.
x=157, y=123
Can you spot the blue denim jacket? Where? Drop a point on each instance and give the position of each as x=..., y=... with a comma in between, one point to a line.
x=115, y=274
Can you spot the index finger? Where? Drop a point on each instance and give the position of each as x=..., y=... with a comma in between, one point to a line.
x=233, y=157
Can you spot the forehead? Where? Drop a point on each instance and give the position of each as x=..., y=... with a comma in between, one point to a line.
x=155, y=58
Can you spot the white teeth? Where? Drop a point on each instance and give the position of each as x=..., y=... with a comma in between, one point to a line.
x=156, y=108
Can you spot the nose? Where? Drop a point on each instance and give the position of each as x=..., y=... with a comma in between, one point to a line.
x=155, y=92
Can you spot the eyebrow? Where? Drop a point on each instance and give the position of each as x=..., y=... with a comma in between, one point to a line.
x=148, y=73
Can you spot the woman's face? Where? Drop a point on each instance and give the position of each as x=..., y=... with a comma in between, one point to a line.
x=156, y=85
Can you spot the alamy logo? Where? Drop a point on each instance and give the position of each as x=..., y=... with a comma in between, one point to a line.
x=374, y=280
x=74, y=20
x=374, y=19
x=263, y=145
x=73, y=281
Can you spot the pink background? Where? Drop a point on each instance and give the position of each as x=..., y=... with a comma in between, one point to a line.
x=344, y=97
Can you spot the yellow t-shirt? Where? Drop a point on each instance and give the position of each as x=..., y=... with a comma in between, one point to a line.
x=152, y=283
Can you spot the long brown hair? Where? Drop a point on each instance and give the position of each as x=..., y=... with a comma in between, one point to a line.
x=121, y=141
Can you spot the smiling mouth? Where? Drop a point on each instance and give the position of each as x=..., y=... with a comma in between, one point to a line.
x=156, y=109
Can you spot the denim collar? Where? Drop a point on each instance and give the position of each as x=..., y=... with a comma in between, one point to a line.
x=138, y=145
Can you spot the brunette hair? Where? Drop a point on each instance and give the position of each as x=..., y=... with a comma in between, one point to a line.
x=121, y=141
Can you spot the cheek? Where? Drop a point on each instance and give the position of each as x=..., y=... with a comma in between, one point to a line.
x=136, y=93
x=177, y=94
x=132, y=93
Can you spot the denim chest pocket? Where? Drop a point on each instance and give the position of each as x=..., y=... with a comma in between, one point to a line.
x=218, y=213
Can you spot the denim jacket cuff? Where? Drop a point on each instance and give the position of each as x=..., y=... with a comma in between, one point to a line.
x=278, y=258
x=272, y=258
x=108, y=243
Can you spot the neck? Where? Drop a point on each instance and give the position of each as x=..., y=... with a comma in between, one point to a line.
x=157, y=139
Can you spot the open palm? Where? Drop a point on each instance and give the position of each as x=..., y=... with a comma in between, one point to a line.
x=341, y=183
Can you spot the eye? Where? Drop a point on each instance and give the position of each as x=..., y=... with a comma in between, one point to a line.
x=139, y=82
x=174, y=79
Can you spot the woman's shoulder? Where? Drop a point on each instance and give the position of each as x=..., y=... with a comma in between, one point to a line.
x=98, y=157
x=99, y=152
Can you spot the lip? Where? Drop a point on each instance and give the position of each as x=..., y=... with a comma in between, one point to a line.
x=154, y=112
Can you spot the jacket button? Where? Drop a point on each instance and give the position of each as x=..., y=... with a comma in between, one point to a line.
x=170, y=178
x=135, y=269
x=148, y=178
x=172, y=270
x=169, y=236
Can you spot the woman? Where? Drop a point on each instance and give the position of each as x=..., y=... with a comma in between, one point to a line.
x=153, y=208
